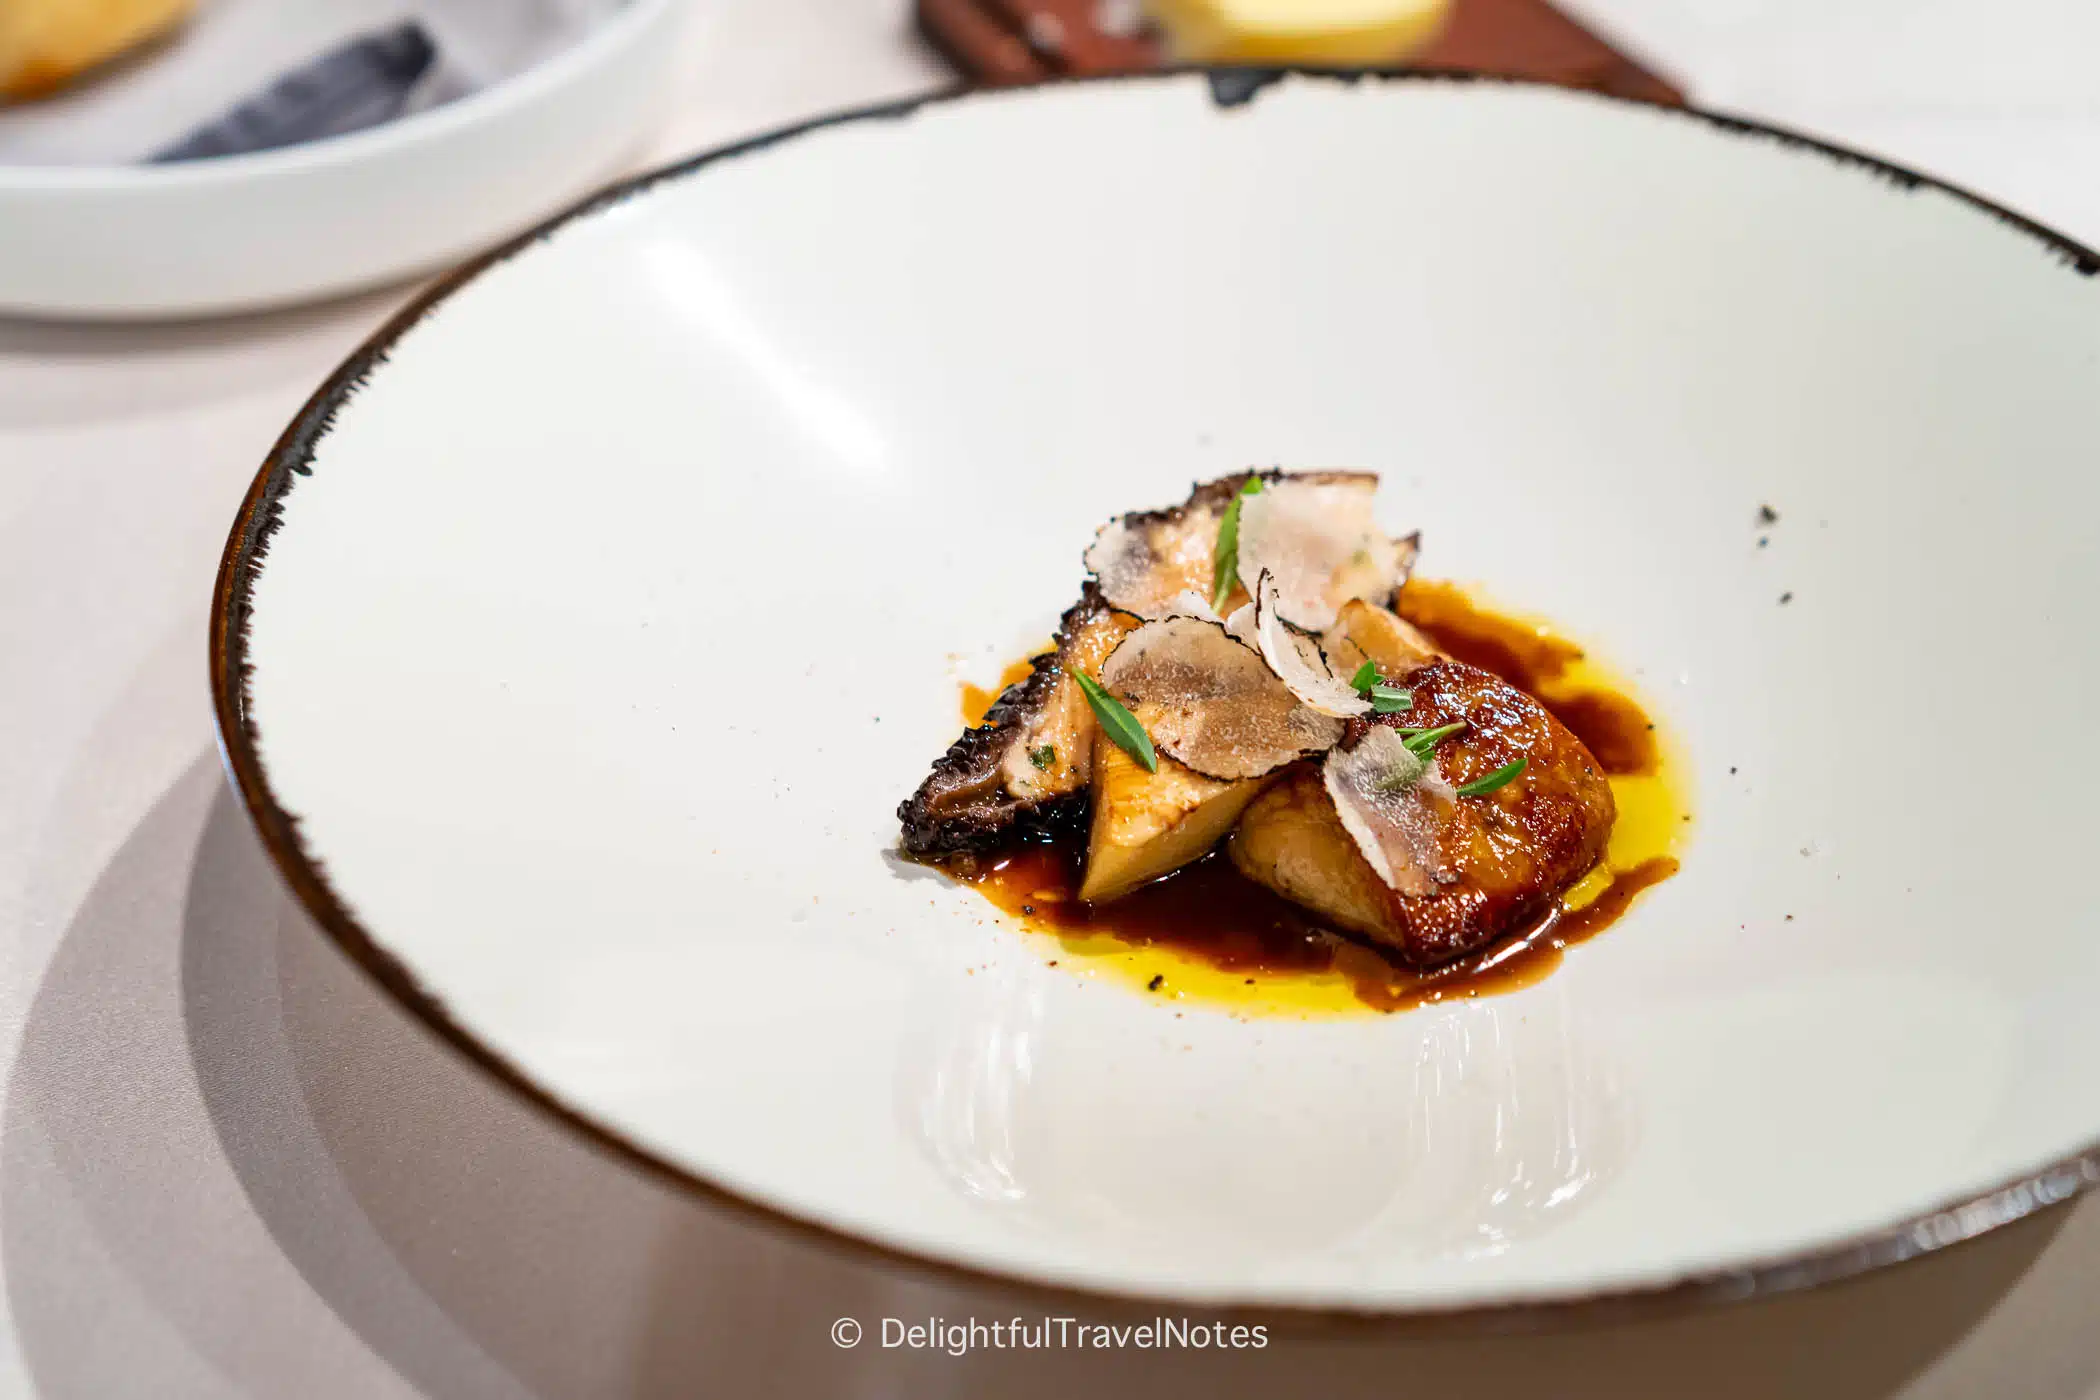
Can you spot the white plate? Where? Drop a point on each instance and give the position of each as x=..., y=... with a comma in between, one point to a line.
x=595, y=618
x=243, y=232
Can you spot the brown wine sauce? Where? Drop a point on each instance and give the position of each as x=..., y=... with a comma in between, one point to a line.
x=1207, y=933
x=978, y=700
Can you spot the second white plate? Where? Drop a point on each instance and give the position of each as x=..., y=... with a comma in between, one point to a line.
x=240, y=233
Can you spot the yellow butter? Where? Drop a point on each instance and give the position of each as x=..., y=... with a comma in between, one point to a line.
x=1299, y=31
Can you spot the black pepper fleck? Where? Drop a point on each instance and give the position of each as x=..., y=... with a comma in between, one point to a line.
x=1030, y=908
x=1157, y=978
x=1785, y=598
x=1731, y=771
x=1767, y=516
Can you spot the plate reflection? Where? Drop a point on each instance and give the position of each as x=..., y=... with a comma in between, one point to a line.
x=1191, y=1139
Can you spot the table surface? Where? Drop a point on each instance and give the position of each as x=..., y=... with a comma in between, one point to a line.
x=228, y=1167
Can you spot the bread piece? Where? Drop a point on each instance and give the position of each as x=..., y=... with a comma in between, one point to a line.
x=46, y=44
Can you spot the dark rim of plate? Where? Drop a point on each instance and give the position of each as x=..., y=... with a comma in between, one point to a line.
x=231, y=668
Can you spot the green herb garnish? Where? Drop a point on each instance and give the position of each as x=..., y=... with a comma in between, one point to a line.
x=1118, y=723
x=1226, y=571
x=1427, y=739
x=1500, y=778
x=1043, y=757
x=1385, y=699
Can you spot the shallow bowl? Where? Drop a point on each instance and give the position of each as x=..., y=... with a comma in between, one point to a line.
x=578, y=641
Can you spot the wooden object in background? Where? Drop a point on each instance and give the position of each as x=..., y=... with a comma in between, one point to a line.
x=1002, y=42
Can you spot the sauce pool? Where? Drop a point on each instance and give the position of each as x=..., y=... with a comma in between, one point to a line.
x=1207, y=933
x=978, y=700
x=1611, y=724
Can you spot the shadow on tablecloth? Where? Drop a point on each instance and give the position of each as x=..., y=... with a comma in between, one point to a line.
x=228, y=1165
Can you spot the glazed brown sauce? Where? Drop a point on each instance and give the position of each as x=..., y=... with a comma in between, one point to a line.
x=1207, y=932
x=1214, y=918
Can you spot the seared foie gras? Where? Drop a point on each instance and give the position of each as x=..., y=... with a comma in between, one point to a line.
x=1026, y=768
x=1483, y=864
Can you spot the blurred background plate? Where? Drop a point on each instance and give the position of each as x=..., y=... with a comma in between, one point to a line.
x=88, y=231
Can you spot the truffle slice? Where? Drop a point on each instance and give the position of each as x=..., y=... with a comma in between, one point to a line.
x=1297, y=659
x=1147, y=562
x=1212, y=702
x=1314, y=533
x=1391, y=801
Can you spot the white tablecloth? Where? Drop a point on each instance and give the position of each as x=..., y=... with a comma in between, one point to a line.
x=229, y=1168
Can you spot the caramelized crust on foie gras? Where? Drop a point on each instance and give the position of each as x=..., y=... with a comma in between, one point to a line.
x=1026, y=768
x=1493, y=862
